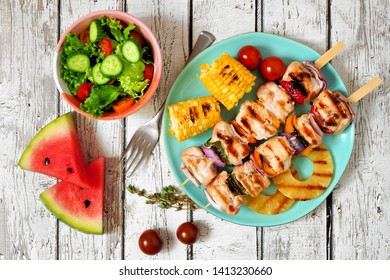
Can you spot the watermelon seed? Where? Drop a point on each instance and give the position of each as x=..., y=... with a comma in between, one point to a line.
x=70, y=169
x=47, y=161
x=87, y=203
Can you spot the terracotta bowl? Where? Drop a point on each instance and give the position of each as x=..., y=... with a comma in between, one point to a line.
x=82, y=24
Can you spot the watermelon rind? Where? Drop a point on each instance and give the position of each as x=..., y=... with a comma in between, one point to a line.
x=57, y=137
x=64, y=199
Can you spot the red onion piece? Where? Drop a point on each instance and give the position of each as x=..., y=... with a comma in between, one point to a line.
x=258, y=169
x=286, y=134
x=211, y=154
x=315, y=125
x=318, y=72
x=296, y=144
x=212, y=201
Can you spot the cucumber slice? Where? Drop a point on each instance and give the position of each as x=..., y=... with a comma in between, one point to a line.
x=97, y=76
x=111, y=66
x=131, y=51
x=78, y=63
x=95, y=31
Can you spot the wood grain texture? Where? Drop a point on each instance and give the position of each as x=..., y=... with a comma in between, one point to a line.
x=305, y=22
x=27, y=103
x=361, y=202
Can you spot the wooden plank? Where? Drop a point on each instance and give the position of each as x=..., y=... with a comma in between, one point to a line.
x=28, y=102
x=361, y=226
x=305, y=22
x=170, y=27
x=98, y=138
x=231, y=18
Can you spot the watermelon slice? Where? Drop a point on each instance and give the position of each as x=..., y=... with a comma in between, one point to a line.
x=55, y=151
x=78, y=207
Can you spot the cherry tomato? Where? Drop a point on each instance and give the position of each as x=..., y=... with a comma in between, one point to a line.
x=136, y=36
x=105, y=46
x=187, y=233
x=250, y=57
x=84, y=37
x=272, y=68
x=148, y=74
x=84, y=91
x=150, y=242
x=123, y=104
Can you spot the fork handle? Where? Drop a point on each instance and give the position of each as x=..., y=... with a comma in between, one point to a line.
x=204, y=40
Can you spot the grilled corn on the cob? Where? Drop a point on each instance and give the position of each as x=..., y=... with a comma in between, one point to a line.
x=194, y=116
x=227, y=79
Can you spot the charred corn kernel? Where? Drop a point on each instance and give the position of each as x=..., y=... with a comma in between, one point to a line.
x=194, y=116
x=227, y=79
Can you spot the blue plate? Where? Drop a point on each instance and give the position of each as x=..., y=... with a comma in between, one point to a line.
x=187, y=86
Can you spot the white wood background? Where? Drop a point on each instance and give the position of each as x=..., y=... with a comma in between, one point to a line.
x=353, y=223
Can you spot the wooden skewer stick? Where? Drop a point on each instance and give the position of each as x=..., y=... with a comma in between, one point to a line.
x=184, y=182
x=331, y=53
x=207, y=205
x=364, y=90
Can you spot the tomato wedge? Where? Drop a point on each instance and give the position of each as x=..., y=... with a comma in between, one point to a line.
x=84, y=37
x=105, y=46
x=123, y=104
x=84, y=91
x=148, y=74
x=136, y=36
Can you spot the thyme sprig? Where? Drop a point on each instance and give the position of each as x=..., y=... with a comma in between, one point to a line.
x=169, y=197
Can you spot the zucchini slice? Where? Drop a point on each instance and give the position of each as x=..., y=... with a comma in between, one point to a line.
x=97, y=76
x=111, y=66
x=78, y=62
x=95, y=31
x=131, y=50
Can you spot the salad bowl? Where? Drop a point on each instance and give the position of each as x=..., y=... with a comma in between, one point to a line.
x=64, y=84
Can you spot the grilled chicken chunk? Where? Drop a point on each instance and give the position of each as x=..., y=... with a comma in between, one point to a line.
x=276, y=154
x=235, y=149
x=306, y=131
x=276, y=99
x=252, y=179
x=306, y=78
x=255, y=119
x=222, y=196
x=332, y=111
x=197, y=167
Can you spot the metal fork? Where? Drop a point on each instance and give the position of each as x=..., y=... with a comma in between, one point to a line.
x=147, y=136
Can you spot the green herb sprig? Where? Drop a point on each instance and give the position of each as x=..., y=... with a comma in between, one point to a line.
x=169, y=197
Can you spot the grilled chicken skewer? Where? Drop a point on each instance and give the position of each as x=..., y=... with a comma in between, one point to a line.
x=260, y=120
x=303, y=80
x=333, y=112
x=274, y=156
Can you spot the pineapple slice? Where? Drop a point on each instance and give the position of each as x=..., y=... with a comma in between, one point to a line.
x=269, y=204
x=293, y=188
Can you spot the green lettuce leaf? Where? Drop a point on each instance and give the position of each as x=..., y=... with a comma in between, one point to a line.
x=132, y=79
x=114, y=27
x=100, y=99
x=73, y=45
